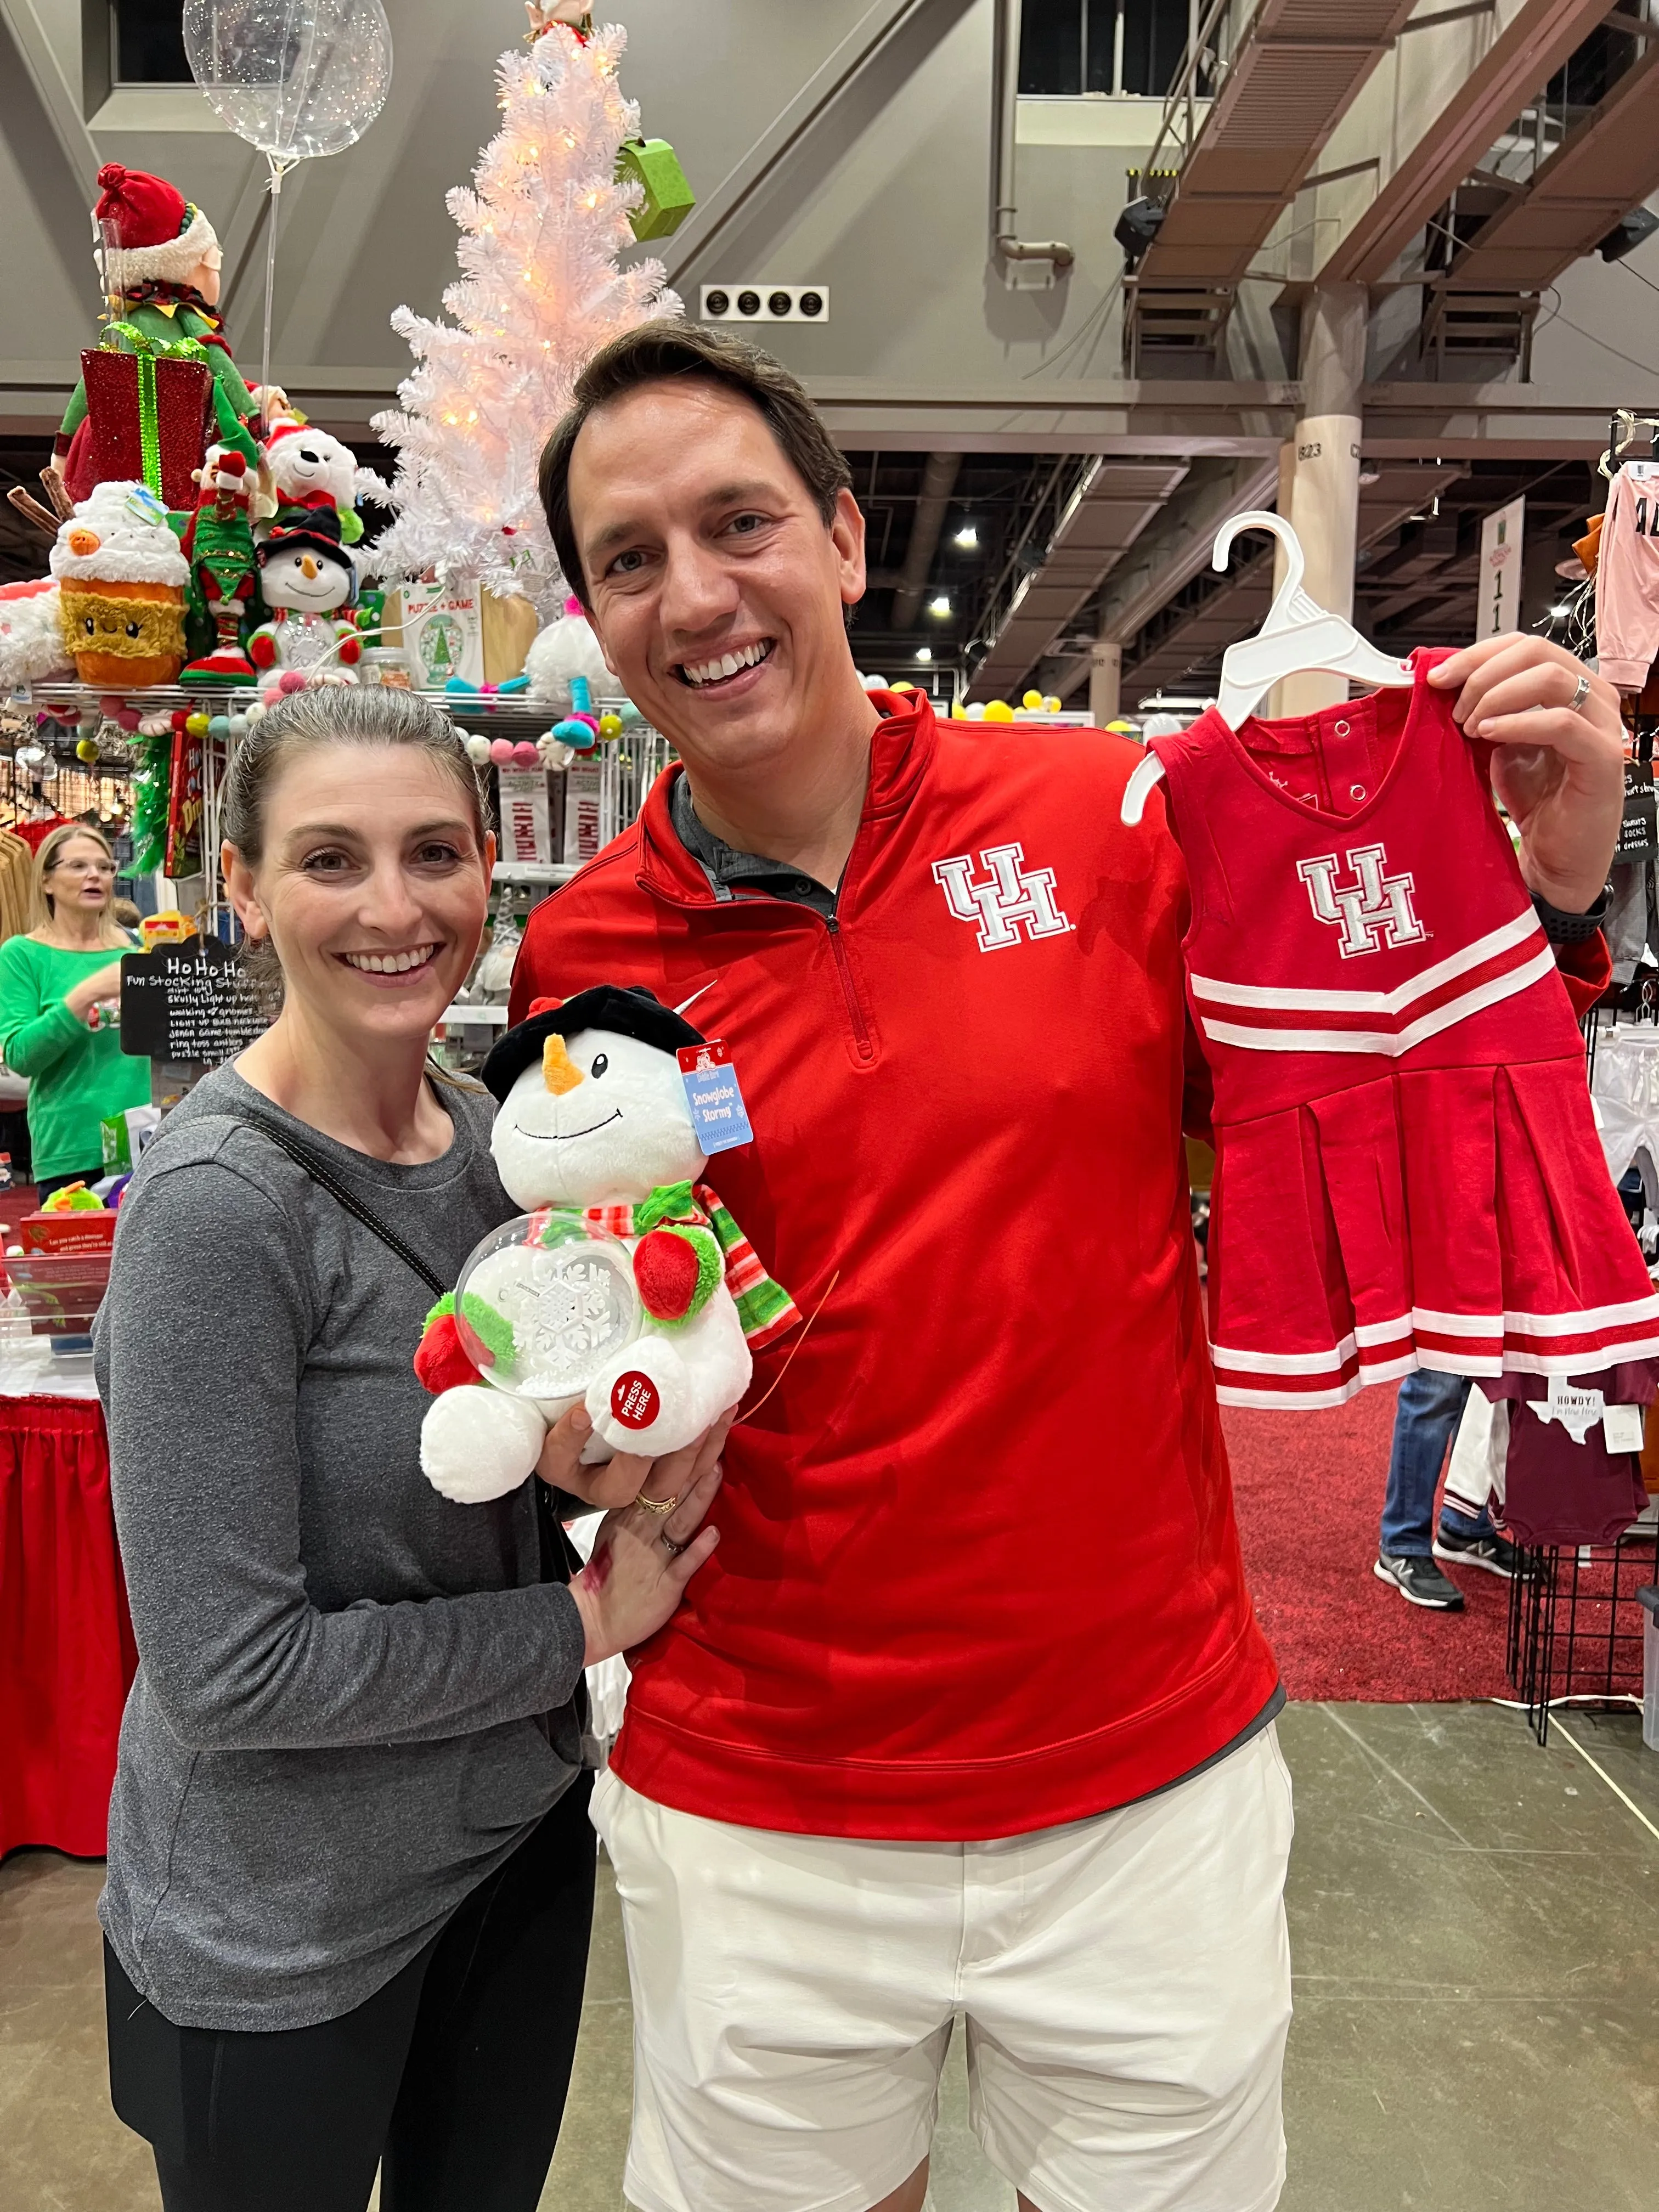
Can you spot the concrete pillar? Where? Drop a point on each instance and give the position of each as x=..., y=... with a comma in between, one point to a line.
x=1319, y=477
x=1105, y=682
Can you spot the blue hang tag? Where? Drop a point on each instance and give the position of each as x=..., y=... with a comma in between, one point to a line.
x=719, y=1120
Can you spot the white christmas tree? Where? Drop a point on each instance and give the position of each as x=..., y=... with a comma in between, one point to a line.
x=541, y=291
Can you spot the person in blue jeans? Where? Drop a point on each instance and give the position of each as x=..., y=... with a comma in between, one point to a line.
x=1429, y=1407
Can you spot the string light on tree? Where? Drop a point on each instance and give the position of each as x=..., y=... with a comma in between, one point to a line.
x=541, y=289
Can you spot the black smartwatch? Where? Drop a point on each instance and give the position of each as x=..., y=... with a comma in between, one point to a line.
x=1573, y=928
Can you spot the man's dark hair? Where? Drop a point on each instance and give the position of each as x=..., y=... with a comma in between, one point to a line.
x=663, y=353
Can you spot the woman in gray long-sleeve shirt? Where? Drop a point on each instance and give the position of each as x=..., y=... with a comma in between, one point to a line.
x=351, y=1874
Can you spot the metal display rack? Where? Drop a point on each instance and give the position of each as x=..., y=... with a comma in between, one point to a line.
x=626, y=766
x=1575, y=1624
x=506, y=714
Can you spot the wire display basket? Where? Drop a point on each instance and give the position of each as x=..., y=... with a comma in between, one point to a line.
x=1575, y=1626
x=628, y=769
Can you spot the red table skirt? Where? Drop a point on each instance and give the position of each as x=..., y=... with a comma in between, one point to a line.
x=67, y=1657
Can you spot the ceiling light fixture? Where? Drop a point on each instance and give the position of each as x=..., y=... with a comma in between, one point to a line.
x=967, y=537
x=939, y=605
x=924, y=652
x=1559, y=614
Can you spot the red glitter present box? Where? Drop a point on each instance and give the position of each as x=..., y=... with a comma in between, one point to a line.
x=122, y=392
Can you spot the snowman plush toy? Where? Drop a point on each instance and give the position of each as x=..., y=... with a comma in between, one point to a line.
x=307, y=580
x=625, y=1284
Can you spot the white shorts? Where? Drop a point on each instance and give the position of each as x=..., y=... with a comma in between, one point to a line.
x=1125, y=1981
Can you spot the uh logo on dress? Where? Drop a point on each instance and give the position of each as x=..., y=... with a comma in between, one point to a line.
x=1374, y=910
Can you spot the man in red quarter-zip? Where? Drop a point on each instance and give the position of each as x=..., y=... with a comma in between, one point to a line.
x=969, y=1712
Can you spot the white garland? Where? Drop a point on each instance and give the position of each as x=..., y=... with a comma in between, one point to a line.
x=540, y=291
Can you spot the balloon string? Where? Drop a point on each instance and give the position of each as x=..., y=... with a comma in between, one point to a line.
x=750, y=1412
x=277, y=166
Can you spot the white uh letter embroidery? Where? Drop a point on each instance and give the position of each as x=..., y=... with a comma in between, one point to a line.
x=1373, y=911
x=1013, y=895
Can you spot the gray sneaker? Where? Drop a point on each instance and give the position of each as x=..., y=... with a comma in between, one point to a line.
x=1491, y=1551
x=1419, y=1582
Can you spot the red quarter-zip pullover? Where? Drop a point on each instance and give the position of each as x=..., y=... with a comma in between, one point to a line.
x=978, y=1570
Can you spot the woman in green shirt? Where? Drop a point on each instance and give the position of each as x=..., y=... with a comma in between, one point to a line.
x=56, y=988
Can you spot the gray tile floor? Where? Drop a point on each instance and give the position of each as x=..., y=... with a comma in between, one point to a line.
x=1476, y=1933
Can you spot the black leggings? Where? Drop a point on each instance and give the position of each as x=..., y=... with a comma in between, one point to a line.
x=452, y=2079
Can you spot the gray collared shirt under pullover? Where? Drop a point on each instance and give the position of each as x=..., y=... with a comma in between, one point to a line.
x=353, y=1697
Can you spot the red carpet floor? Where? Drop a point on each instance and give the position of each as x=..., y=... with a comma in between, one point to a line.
x=1310, y=1489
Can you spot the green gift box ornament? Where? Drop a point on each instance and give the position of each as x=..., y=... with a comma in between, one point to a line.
x=653, y=164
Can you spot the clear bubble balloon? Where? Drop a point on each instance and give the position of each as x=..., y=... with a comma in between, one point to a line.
x=296, y=78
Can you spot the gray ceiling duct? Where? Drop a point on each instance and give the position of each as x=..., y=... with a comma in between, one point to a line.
x=939, y=480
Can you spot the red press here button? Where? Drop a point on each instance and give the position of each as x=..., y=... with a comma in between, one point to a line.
x=634, y=1400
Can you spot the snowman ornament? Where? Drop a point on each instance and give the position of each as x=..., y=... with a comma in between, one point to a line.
x=625, y=1284
x=306, y=578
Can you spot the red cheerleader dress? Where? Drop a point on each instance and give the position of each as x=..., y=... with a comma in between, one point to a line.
x=1407, y=1169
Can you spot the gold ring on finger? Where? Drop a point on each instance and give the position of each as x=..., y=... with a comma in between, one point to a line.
x=658, y=1505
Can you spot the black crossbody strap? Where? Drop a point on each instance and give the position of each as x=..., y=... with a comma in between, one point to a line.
x=320, y=1172
x=560, y=1558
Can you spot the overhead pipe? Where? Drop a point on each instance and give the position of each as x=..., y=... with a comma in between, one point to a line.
x=1005, y=116
x=938, y=482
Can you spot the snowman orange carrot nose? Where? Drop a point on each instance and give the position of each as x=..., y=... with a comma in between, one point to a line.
x=559, y=1072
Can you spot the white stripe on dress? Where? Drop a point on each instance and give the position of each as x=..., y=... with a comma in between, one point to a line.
x=1283, y=1362
x=1272, y=996
x=1390, y=1044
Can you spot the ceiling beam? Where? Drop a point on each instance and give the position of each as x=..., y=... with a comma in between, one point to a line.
x=1606, y=166
x=1173, y=549
x=1288, y=86
x=865, y=74
x=51, y=89
x=1526, y=53
x=1101, y=522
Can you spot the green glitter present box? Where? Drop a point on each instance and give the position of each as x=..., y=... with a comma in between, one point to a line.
x=653, y=164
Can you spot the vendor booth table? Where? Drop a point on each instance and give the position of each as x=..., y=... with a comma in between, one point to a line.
x=66, y=1650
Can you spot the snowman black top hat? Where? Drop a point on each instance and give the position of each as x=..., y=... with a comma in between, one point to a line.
x=293, y=528
x=626, y=1010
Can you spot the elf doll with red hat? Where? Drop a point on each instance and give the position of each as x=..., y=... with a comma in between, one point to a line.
x=218, y=543
x=163, y=285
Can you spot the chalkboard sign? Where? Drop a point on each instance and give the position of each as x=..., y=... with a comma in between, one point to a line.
x=188, y=1002
x=1638, y=833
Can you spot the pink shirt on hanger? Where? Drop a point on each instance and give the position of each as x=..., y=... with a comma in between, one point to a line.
x=1627, y=578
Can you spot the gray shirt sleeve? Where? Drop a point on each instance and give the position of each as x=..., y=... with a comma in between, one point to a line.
x=201, y=1345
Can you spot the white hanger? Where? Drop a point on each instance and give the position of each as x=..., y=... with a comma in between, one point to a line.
x=1298, y=634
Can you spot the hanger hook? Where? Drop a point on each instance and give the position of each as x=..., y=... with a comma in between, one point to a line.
x=1260, y=518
